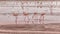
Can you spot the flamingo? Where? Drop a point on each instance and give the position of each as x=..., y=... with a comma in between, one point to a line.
x=26, y=16
x=15, y=14
x=42, y=16
x=35, y=14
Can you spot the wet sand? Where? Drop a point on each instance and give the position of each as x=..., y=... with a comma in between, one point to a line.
x=30, y=29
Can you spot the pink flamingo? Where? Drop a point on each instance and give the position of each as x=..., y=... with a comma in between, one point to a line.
x=42, y=16
x=26, y=16
x=35, y=13
x=15, y=14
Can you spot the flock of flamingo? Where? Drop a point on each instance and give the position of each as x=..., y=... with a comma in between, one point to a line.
x=26, y=16
x=35, y=13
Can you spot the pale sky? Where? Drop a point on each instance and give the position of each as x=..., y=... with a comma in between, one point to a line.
x=6, y=7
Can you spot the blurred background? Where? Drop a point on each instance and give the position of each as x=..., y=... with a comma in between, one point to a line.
x=29, y=7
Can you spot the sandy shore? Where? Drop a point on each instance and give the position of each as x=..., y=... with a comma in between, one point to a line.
x=29, y=29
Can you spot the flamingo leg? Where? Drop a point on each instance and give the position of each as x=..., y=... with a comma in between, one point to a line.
x=28, y=20
x=43, y=20
x=16, y=20
x=32, y=20
x=25, y=20
x=8, y=20
x=40, y=19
